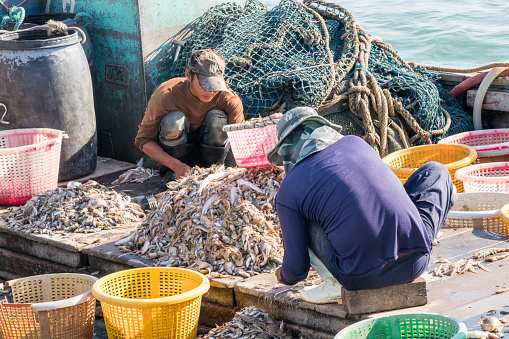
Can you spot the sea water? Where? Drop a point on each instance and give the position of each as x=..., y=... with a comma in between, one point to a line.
x=449, y=33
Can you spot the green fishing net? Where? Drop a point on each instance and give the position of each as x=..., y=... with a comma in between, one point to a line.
x=305, y=54
x=274, y=57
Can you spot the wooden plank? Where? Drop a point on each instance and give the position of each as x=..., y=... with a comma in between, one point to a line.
x=65, y=249
x=284, y=303
x=386, y=298
x=212, y=315
x=456, y=78
x=495, y=101
x=105, y=166
x=23, y=265
x=108, y=258
x=453, y=77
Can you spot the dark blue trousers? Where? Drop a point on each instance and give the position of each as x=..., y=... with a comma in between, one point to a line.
x=431, y=190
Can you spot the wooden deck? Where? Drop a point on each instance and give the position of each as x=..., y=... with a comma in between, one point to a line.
x=465, y=297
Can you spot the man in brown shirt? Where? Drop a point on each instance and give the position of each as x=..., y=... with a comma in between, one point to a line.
x=183, y=122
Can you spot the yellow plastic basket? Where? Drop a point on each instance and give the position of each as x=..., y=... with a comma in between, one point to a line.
x=151, y=302
x=56, y=306
x=406, y=161
x=504, y=215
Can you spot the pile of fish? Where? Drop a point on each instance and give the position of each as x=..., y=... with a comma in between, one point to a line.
x=484, y=253
x=79, y=208
x=453, y=268
x=251, y=322
x=138, y=174
x=492, y=328
x=219, y=221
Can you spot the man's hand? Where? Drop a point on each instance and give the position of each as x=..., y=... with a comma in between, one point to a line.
x=154, y=150
x=278, y=275
x=181, y=170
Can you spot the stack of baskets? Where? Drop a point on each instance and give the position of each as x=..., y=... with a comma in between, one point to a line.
x=491, y=173
x=252, y=140
x=149, y=302
x=469, y=157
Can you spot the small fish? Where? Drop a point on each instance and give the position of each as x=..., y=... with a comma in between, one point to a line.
x=145, y=247
x=210, y=178
x=126, y=240
x=242, y=182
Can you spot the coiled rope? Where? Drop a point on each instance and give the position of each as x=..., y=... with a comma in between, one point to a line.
x=461, y=70
x=52, y=27
x=365, y=94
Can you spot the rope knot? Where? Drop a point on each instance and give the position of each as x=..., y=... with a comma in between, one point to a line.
x=56, y=26
x=310, y=37
x=16, y=14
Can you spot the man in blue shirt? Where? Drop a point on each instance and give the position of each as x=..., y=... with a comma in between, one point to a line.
x=344, y=212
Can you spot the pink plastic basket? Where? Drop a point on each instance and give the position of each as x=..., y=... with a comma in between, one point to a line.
x=252, y=140
x=488, y=143
x=488, y=177
x=29, y=162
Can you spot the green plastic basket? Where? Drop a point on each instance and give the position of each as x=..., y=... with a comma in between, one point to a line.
x=406, y=326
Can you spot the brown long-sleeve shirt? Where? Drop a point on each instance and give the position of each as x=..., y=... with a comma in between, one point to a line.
x=174, y=95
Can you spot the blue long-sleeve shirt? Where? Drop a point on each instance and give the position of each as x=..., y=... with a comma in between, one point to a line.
x=361, y=204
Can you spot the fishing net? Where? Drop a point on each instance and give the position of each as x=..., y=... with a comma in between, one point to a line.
x=278, y=57
x=314, y=54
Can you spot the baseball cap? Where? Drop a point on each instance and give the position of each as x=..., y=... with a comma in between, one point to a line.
x=208, y=65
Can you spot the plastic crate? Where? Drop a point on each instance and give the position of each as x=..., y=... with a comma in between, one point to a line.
x=151, y=302
x=29, y=163
x=479, y=210
x=56, y=306
x=489, y=177
x=252, y=140
x=406, y=161
x=406, y=326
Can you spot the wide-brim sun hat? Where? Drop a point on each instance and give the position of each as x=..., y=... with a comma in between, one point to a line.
x=289, y=122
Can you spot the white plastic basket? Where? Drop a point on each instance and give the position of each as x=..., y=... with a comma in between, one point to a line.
x=479, y=210
x=492, y=145
x=488, y=177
